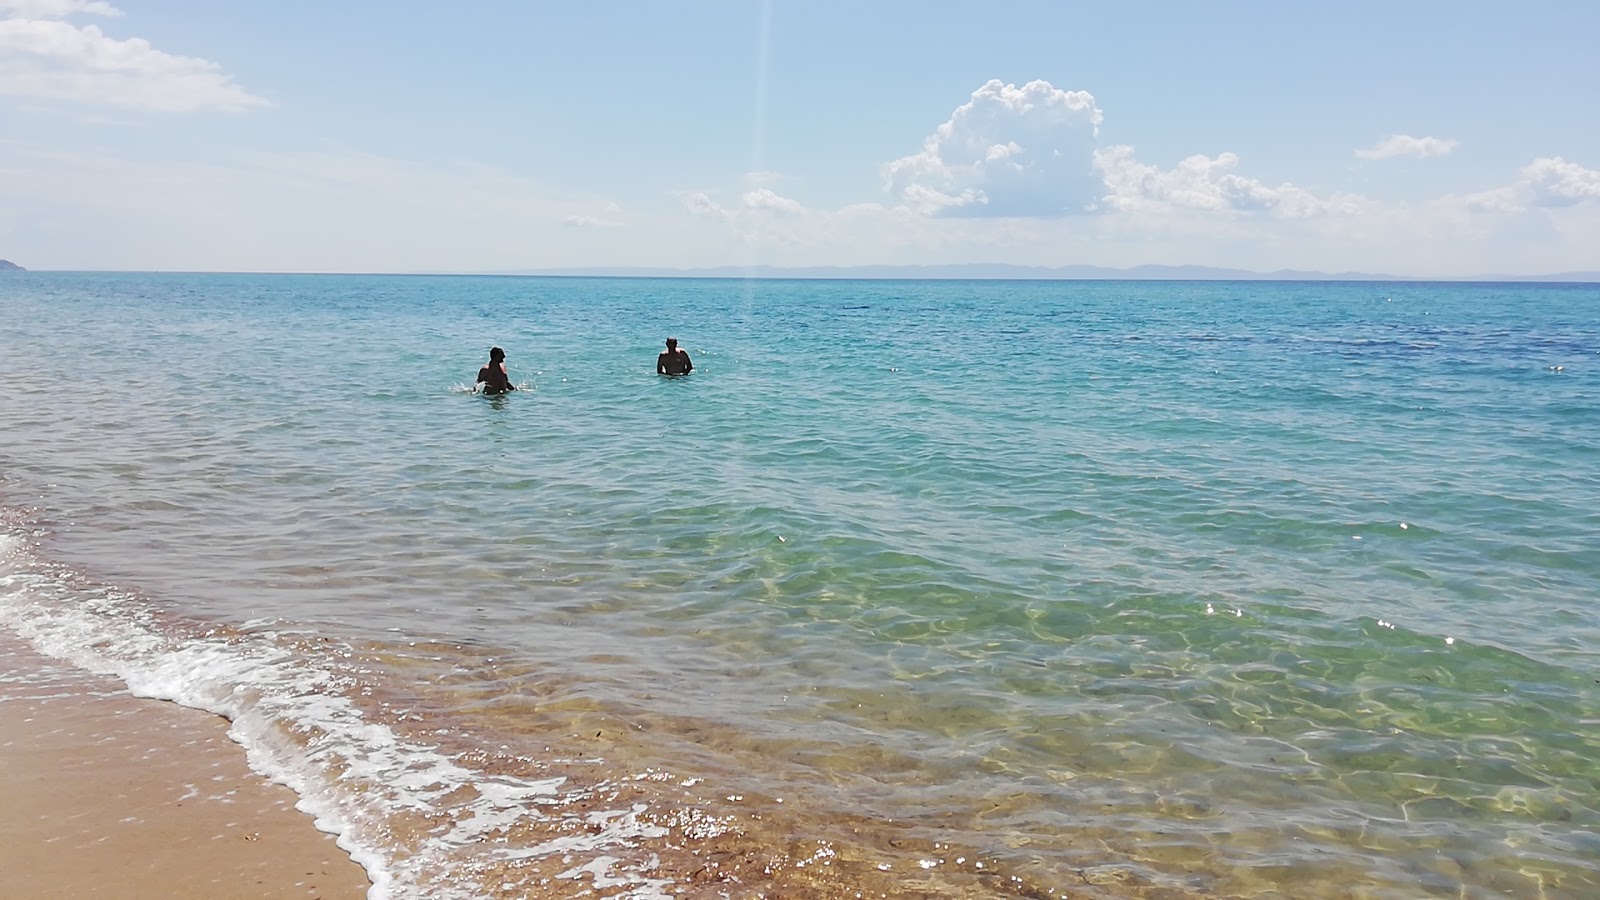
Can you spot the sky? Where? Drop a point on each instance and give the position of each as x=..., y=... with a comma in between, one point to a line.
x=1445, y=139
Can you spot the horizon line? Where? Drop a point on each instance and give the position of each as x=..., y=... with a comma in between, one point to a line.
x=895, y=272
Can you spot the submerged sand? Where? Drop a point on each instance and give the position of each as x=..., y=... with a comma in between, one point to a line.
x=103, y=794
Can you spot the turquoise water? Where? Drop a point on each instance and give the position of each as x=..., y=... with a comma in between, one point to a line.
x=912, y=588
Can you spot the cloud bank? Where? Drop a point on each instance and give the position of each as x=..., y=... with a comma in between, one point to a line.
x=1017, y=174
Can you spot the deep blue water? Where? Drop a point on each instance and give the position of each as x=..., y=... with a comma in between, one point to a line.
x=1120, y=588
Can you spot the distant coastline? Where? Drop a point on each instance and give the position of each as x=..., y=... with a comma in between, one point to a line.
x=950, y=272
x=1001, y=272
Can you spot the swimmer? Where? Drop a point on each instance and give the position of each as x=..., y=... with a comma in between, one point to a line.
x=674, y=361
x=493, y=376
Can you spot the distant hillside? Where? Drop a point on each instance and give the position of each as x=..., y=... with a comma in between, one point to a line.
x=975, y=271
x=7, y=265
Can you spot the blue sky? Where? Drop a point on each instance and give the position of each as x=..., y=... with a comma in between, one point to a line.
x=1447, y=138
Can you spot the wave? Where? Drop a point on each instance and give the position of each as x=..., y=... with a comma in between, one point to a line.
x=300, y=726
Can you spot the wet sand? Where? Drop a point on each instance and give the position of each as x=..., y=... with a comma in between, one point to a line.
x=103, y=794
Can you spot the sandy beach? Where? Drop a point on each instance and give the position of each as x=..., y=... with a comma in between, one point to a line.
x=109, y=795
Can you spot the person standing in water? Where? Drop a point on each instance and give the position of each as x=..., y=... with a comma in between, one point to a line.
x=493, y=376
x=674, y=361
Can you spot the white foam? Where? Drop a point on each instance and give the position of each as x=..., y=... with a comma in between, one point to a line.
x=351, y=775
x=599, y=869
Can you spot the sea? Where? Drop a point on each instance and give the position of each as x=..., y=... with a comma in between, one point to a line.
x=939, y=589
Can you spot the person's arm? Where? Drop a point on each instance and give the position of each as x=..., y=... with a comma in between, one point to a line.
x=688, y=364
x=661, y=364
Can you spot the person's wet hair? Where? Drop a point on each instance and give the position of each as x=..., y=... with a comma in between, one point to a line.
x=496, y=354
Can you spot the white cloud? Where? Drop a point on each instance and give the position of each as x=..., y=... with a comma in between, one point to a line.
x=606, y=219
x=765, y=200
x=1498, y=200
x=55, y=60
x=1197, y=183
x=754, y=207
x=701, y=205
x=1405, y=145
x=1547, y=183
x=1031, y=152
x=1008, y=151
x=55, y=9
x=1555, y=182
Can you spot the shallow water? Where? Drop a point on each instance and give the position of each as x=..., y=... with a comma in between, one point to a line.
x=916, y=588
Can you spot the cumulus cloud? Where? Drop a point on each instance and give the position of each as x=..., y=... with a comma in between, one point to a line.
x=1197, y=183
x=1547, y=183
x=1032, y=152
x=1405, y=145
x=591, y=222
x=50, y=59
x=1008, y=151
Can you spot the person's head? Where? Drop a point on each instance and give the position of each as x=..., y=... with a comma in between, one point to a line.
x=496, y=354
x=672, y=343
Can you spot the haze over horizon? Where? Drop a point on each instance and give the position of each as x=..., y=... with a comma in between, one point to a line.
x=1423, y=141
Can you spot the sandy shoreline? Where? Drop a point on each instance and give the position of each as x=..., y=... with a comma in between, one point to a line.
x=106, y=794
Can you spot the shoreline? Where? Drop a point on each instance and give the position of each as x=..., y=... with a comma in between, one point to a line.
x=108, y=794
